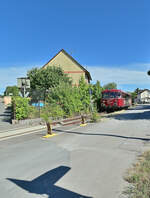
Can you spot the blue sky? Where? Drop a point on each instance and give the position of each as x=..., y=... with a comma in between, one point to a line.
x=111, y=38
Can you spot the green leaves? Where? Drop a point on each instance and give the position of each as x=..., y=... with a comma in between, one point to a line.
x=111, y=85
x=46, y=78
x=84, y=95
x=67, y=97
x=73, y=100
x=11, y=90
x=20, y=107
x=51, y=111
x=97, y=94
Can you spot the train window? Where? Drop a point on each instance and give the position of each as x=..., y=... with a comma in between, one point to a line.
x=115, y=94
x=123, y=95
x=118, y=95
x=111, y=95
x=105, y=95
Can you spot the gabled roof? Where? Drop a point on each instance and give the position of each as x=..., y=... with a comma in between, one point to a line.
x=141, y=91
x=69, y=56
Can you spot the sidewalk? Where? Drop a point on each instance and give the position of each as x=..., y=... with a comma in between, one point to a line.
x=20, y=131
x=15, y=130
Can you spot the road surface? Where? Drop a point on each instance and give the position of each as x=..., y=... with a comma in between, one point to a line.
x=81, y=162
x=5, y=116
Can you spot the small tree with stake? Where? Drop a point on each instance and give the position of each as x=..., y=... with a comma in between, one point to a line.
x=85, y=98
x=49, y=113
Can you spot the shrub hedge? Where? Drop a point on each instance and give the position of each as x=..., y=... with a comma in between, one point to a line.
x=20, y=107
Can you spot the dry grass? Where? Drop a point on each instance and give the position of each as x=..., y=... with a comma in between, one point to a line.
x=139, y=178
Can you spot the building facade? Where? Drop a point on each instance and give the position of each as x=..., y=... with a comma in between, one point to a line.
x=70, y=67
x=143, y=96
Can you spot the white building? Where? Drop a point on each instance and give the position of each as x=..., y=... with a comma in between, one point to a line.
x=143, y=96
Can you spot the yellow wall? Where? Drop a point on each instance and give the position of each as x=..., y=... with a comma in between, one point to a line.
x=63, y=61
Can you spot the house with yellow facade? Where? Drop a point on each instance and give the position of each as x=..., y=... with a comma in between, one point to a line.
x=70, y=66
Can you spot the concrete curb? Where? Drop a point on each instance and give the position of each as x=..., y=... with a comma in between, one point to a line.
x=70, y=121
x=30, y=129
x=16, y=132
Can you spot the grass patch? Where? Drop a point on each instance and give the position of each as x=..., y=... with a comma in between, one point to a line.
x=139, y=178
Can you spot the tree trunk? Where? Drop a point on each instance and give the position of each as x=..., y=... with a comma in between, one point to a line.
x=83, y=119
x=49, y=128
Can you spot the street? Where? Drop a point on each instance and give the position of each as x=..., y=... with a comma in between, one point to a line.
x=79, y=162
x=5, y=116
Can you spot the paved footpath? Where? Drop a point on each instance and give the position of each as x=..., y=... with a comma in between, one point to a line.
x=5, y=115
x=8, y=129
x=79, y=162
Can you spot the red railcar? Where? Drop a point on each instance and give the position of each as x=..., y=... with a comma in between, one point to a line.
x=115, y=99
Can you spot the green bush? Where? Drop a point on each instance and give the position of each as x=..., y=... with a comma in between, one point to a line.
x=67, y=97
x=21, y=107
x=95, y=117
x=73, y=100
x=51, y=112
x=84, y=95
x=33, y=112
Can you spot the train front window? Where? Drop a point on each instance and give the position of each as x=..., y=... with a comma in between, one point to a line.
x=111, y=95
x=118, y=95
x=106, y=95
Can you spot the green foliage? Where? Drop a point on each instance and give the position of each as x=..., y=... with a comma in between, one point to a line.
x=11, y=90
x=46, y=78
x=73, y=100
x=20, y=107
x=97, y=94
x=137, y=90
x=38, y=95
x=111, y=85
x=33, y=112
x=51, y=112
x=95, y=117
x=133, y=96
x=67, y=97
x=84, y=89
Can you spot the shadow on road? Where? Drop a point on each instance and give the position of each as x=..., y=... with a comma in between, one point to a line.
x=132, y=116
x=143, y=113
x=44, y=184
x=102, y=134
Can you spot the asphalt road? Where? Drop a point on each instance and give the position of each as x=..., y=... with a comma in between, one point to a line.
x=5, y=116
x=81, y=162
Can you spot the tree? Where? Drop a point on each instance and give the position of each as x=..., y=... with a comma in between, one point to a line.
x=73, y=100
x=137, y=90
x=47, y=78
x=97, y=94
x=148, y=72
x=84, y=93
x=11, y=90
x=20, y=107
x=67, y=97
x=111, y=85
x=133, y=96
x=50, y=112
x=84, y=90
